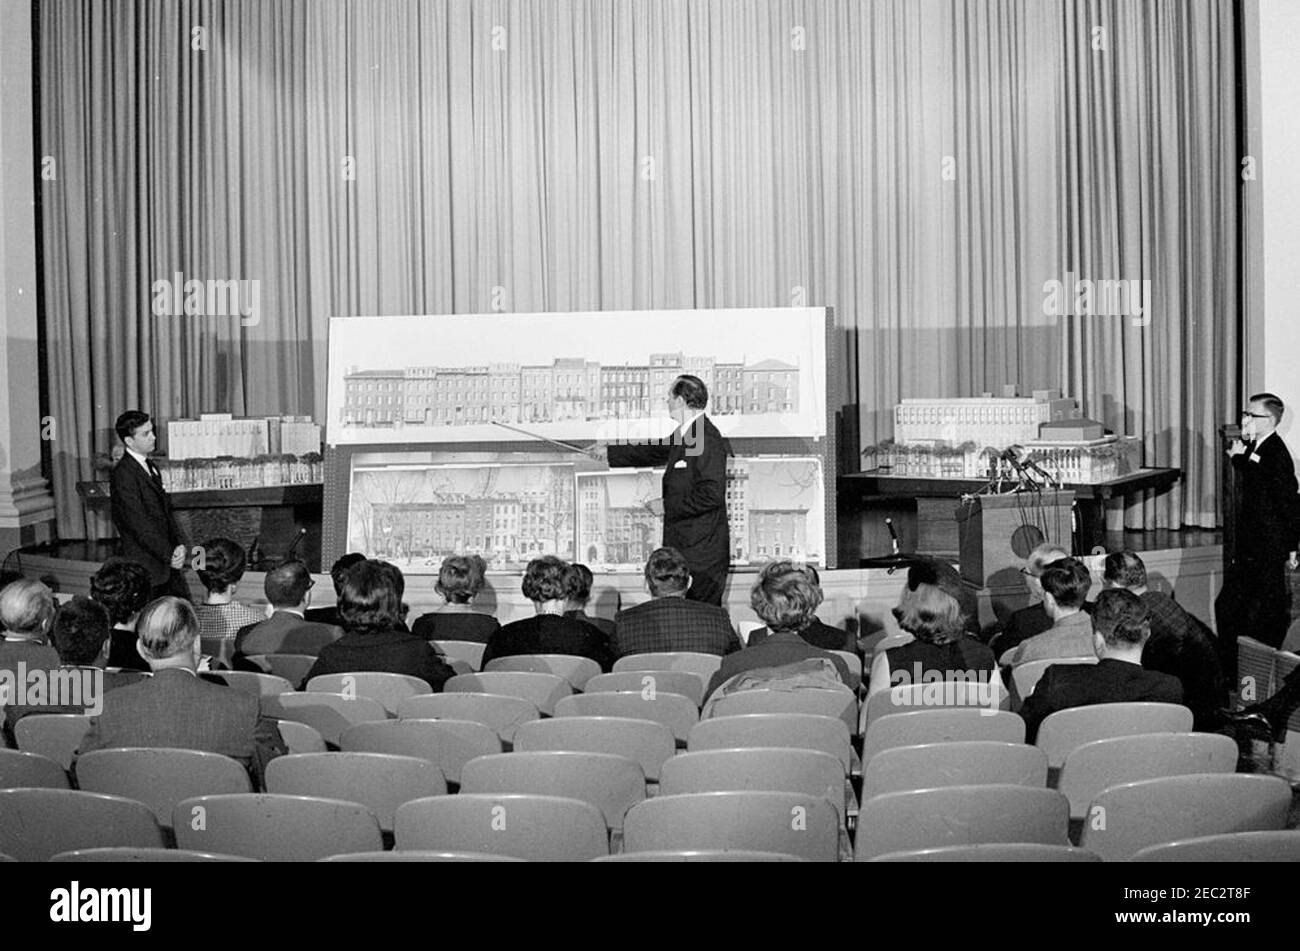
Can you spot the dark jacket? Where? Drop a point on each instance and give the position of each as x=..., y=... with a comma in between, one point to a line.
x=282, y=633
x=673, y=624
x=1079, y=685
x=142, y=515
x=398, y=652
x=817, y=634
x=1268, y=522
x=605, y=625
x=909, y=663
x=1183, y=647
x=122, y=651
x=775, y=650
x=14, y=713
x=34, y=655
x=550, y=634
x=455, y=626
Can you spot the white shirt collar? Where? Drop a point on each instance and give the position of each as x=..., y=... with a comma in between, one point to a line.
x=690, y=421
x=140, y=458
x=1260, y=440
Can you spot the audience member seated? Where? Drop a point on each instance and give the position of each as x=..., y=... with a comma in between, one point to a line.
x=669, y=622
x=330, y=615
x=816, y=633
x=941, y=647
x=1031, y=620
x=460, y=578
x=80, y=636
x=786, y=596
x=123, y=587
x=577, y=588
x=374, y=630
x=286, y=631
x=1121, y=629
x=220, y=615
x=1179, y=645
x=174, y=708
x=548, y=631
x=1065, y=589
x=26, y=613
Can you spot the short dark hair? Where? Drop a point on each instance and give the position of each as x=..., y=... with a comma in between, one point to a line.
x=460, y=577
x=129, y=422
x=370, y=602
x=691, y=389
x=666, y=572
x=577, y=583
x=287, y=585
x=785, y=597
x=123, y=587
x=223, y=564
x=1125, y=569
x=339, y=570
x=81, y=627
x=544, y=579
x=1067, y=581
x=1121, y=618
x=1272, y=403
x=168, y=626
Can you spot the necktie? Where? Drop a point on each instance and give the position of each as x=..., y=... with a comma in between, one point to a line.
x=153, y=472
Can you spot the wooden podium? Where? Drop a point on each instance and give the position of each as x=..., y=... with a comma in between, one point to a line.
x=997, y=532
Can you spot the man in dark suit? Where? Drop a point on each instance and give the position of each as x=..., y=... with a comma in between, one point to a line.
x=1033, y=620
x=694, y=503
x=339, y=571
x=1254, y=601
x=174, y=708
x=286, y=631
x=1120, y=630
x=26, y=613
x=142, y=512
x=669, y=622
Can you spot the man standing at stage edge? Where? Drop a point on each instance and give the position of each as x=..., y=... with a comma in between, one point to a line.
x=694, y=503
x=1254, y=600
x=142, y=512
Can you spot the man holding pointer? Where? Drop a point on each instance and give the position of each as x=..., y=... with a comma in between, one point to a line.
x=142, y=513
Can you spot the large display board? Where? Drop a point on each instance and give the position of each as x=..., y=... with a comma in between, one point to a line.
x=435, y=433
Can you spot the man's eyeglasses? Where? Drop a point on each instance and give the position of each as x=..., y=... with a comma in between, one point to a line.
x=1247, y=414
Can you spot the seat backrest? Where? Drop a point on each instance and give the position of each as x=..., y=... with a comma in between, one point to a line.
x=415, y=856
x=36, y=824
x=702, y=665
x=803, y=731
x=55, y=736
x=763, y=769
x=1273, y=846
x=300, y=738
x=942, y=725
x=1257, y=661
x=933, y=696
x=292, y=667
x=160, y=778
x=1126, y=818
x=275, y=828
x=129, y=854
x=993, y=852
x=1026, y=676
x=379, y=781
x=536, y=828
x=502, y=714
x=703, y=855
x=1066, y=730
x=790, y=823
x=221, y=648
x=576, y=670
x=963, y=763
x=611, y=783
x=649, y=682
x=674, y=711
x=469, y=652
x=646, y=742
x=890, y=641
x=20, y=770
x=259, y=685
x=829, y=703
x=330, y=713
x=388, y=688
x=543, y=690
x=960, y=815
x=1098, y=765
x=1287, y=663
x=447, y=744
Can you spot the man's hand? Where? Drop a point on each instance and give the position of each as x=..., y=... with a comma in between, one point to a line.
x=1292, y=561
x=656, y=507
x=1237, y=448
x=178, y=557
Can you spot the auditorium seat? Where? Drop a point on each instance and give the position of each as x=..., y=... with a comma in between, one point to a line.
x=160, y=778
x=960, y=815
x=1026, y=676
x=576, y=670
x=537, y=828
x=790, y=823
x=1257, y=661
x=1098, y=765
x=129, y=854
x=804, y=731
x=502, y=714
x=7, y=858
x=221, y=648
x=941, y=725
x=963, y=763
x=932, y=696
x=36, y=824
x=702, y=665
x=649, y=681
x=674, y=711
x=611, y=783
x=1286, y=663
x=379, y=781
x=419, y=857
x=543, y=690
x=329, y=713
x=1066, y=730
x=275, y=828
x=649, y=743
x=292, y=667
x=1275, y=846
x=300, y=738
x=889, y=642
x=763, y=769
x=469, y=653
x=259, y=685
x=993, y=852
x=447, y=744
x=20, y=770
x=388, y=688
x=1124, y=819
x=56, y=736
x=732, y=855
x=830, y=703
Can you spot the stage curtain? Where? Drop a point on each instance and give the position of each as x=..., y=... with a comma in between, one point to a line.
x=923, y=166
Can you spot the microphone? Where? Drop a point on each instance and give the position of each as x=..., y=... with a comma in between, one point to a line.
x=288, y=556
x=1035, y=467
x=893, y=535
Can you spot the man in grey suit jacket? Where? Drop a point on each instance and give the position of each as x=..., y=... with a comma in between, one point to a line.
x=286, y=631
x=174, y=708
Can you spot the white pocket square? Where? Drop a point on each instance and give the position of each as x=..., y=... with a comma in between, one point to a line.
x=679, y=464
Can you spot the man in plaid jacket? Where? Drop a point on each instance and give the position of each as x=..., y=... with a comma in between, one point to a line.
x=669, y=622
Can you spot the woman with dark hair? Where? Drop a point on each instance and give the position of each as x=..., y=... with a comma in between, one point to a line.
x=577, y=592
x=375, y=635
x=123, y=587
x=548, y=631
x=460, y=578
x=220, y=568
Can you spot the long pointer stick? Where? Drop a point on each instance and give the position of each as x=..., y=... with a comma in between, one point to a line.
x=553, y=442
